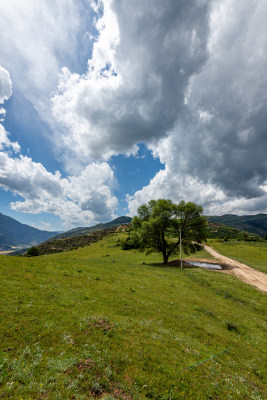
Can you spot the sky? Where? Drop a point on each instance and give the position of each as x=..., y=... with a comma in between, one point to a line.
x=107, y=104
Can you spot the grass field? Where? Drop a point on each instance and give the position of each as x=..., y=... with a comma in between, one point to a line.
x=98, y=323
x=253, y=254
x=199, y=254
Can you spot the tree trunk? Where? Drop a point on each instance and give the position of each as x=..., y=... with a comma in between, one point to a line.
x=165, y=258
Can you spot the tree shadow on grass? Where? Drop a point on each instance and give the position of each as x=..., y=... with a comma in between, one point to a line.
x=171, y=264
x=186, y=265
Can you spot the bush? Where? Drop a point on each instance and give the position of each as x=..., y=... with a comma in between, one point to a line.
x=33, y=252
x=131, y=242
x=231, y=326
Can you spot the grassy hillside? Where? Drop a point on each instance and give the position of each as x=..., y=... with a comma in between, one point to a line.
x=99, y=227
x=98, y=323
x=250, y=223
x=219, y=231
x=70, y=243
x=80, y=237
x=252, y=254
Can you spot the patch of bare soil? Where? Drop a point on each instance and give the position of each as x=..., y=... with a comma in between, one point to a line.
x=82, y=365
x=242, y=271
x=102, y=324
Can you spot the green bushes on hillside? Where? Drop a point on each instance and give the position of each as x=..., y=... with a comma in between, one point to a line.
x=33, y=252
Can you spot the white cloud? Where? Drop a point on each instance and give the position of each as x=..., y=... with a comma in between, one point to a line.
x=175, y=186
x=5, y=142
x=37, y=38
x=5, y=94
x=81, y=200
x=36, y=35
x=5, y=86
x=77, y=200
x=44, y=226
x=2, y=114
x=133, y=90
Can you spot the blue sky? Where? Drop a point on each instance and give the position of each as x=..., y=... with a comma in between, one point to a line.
x=105, y=105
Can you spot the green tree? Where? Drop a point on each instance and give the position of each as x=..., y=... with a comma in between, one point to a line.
x=158, y=224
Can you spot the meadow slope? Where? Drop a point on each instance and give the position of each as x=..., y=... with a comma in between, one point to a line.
x=254, y=254
x=98, y=323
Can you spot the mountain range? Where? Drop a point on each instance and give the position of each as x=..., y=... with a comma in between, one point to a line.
x=15, y=234
x=250, y=223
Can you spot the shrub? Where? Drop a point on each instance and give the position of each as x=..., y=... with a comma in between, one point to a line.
x=131, y=242
x=33, y=252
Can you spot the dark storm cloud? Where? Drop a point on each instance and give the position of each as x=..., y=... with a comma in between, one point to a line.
x=165, y=43
x=227, y=139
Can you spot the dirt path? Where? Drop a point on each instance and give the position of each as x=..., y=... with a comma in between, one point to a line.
x=241, y=271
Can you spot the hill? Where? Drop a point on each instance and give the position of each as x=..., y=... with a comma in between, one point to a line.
x=99, y=323
x=219, y=231
x=69, y=243
x=86, y=230
x=251, y=223
x=15, y=234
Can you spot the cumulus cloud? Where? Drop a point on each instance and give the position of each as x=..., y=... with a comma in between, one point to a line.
x=77, y=200
x=80, y=200
x=5, y=85
x=216, y=153
x=36, y=35
x=167, y=184
x=181, y=186
x=5, y=94
x=133, y=90
x=5, y=142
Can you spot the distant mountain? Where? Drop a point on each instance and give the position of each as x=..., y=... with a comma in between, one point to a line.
x=251, y=223
x=15, y=234
x=85, y=230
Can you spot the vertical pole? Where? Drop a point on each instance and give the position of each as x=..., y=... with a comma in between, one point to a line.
x=181, y=248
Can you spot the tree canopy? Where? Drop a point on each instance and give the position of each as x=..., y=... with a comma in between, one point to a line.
x=158, y=223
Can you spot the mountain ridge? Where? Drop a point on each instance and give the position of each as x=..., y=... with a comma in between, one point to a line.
x=86, y=230
x=15, y=234
x=256, y=224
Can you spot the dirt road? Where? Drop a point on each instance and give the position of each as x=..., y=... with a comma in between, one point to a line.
x=241, y=271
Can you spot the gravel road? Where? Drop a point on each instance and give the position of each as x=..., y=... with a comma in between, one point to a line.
x=241, y=271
